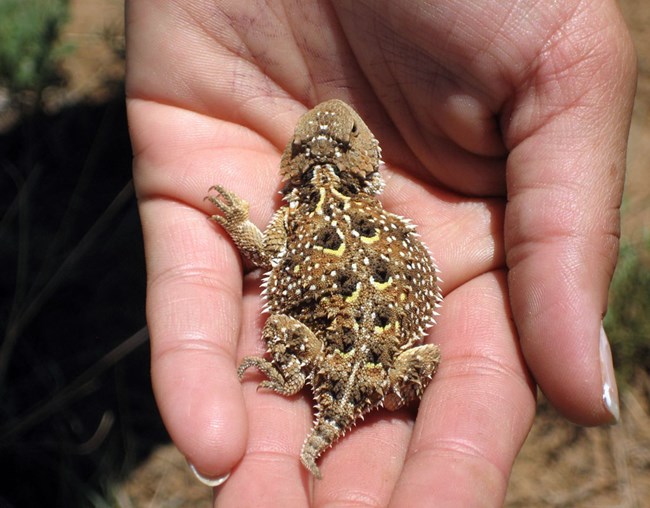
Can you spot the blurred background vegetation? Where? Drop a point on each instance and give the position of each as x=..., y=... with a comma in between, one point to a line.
x=30, y=49
x=77, y=415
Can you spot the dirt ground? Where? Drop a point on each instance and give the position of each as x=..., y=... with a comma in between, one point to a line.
x=561, y=465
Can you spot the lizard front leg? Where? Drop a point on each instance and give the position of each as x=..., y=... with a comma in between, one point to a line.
x=235, y=220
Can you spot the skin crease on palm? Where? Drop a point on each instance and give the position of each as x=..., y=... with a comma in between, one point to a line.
x=503, y=127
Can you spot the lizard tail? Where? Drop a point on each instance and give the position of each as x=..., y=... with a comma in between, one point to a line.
x=321, y=437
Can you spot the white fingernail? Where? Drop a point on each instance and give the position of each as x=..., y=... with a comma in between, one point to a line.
x=610, y=391
x=210, y=482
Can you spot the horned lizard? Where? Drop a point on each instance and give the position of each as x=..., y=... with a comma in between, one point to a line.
x=350, y=288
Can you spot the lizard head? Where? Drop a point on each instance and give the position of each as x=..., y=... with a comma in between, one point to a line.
x=333, y=134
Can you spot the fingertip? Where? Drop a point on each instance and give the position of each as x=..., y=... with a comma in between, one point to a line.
x=203, y=412
x=572, y=366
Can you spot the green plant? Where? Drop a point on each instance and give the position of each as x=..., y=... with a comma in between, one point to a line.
x=628, y=317
x=30, y=53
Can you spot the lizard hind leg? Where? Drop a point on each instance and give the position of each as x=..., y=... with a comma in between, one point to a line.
x=411, y=374
x=291, y=345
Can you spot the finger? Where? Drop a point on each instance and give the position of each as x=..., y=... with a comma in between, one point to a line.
x=270, y=473
x=194, y=275
x=477, y=411
x=193, y=311
x=445, y=114
x=363, y=467
x=565, y=178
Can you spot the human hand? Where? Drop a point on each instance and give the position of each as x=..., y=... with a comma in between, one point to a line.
x=492, y=117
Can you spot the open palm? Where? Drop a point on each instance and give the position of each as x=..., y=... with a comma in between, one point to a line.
x=503, y=129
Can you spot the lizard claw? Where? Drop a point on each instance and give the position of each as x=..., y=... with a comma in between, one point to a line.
x=233, y=208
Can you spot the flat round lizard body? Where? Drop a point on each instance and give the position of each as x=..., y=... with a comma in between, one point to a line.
x=350, y=287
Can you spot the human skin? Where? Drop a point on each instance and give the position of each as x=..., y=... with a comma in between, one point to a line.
x=503, y=127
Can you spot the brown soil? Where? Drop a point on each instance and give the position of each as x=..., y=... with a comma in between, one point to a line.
x=561, y=465
x=564, y=465
x=96, y=29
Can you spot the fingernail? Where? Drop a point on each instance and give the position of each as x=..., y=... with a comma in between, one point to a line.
x=610, y=391
x=210, y=482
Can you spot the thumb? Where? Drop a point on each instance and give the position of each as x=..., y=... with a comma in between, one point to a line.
x=567, y=137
